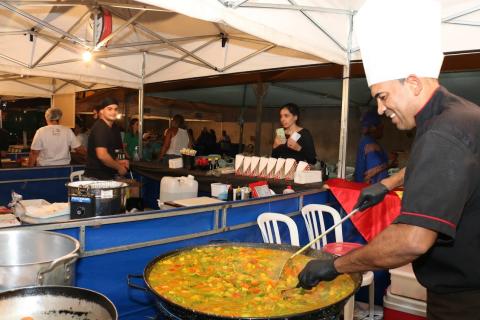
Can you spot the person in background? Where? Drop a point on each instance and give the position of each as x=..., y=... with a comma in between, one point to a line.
x=102, y=143
x=131, y=137
x=203, y=141
x=81, y=133
x=4, y=143
x=190, y=136
x=118, y=137
x=249, y=150
x=437, y=229
x=176, y=138
x=152, y=146
x=225, y=137
x=302, y=149
x=372, y=161
x=52, y=143
x=225, y=142
x=212, y=142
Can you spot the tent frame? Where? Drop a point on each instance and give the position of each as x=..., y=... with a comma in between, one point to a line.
x=304, y=10
x=67, y=40
x=99, y=52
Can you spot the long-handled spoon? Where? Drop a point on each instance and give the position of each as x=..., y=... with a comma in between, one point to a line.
x=313, y=241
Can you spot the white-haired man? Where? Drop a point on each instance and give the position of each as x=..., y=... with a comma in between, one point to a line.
x=52, y=143
x=438, y=226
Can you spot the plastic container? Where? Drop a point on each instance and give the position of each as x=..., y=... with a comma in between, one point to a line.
x=176, y=188
x=401, y=308
x=219, y=190
x=405, y=284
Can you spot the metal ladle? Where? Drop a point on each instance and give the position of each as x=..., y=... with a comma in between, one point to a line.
x=312, y=242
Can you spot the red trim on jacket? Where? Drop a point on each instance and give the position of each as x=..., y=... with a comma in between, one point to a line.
x=429, y=217
x=420, y=110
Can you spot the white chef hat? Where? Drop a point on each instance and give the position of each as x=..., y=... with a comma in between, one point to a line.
x=398, y=38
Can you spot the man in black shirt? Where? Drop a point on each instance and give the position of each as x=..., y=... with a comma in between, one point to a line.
x=438, y=226
x=102, y=143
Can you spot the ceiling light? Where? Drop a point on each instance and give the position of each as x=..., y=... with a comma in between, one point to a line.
x=87, y=56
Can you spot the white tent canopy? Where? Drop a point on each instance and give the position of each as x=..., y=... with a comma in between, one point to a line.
x=158, y=40
x=167, y=40
x=148, y=44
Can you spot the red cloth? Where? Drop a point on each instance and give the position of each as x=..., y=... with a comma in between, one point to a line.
x=369, y=222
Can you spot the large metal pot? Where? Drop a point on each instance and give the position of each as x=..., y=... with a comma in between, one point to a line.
x=55, y=303
x=174, y=311
x=31, y=257
x=96, y=198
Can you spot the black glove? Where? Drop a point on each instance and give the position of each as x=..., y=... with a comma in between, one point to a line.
x=371, y=195
x=316, y=271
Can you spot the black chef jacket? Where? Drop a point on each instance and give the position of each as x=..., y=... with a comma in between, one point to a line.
x=307, y=153
x=442, y=192
x=101, y=136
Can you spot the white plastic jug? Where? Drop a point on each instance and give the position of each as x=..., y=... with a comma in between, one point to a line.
x=176, y=188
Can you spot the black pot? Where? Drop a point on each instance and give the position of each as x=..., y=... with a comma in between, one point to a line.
x=175, y=311
x=56, y=302
x=188, y=162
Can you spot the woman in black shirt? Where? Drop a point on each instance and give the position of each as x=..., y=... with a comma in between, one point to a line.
x=300, y=149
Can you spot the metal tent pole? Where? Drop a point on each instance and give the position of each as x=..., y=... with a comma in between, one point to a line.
x=140, y=110
x=241, y=120
x=342, y=152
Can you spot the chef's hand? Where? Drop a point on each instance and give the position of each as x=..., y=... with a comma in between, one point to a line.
x=316, y=271
x=292, y=144
x=371, y=195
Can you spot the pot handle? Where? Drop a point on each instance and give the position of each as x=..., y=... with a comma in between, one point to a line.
x=68, y=260
x=133, y=285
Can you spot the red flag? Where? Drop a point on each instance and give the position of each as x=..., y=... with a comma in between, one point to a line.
x=371, y=221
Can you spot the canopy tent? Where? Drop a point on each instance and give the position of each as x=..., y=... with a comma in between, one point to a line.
x=185, y=39
x=147, y=44
x=159, y=40
x=324, y=28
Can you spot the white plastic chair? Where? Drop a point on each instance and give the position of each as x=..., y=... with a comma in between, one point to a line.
x=269, y=220
x=77, y=174
x=313, y=215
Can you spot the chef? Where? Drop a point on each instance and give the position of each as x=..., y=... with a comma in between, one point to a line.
x=438, y=228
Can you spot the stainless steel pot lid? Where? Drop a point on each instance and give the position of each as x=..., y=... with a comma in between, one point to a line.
x=97, y=184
